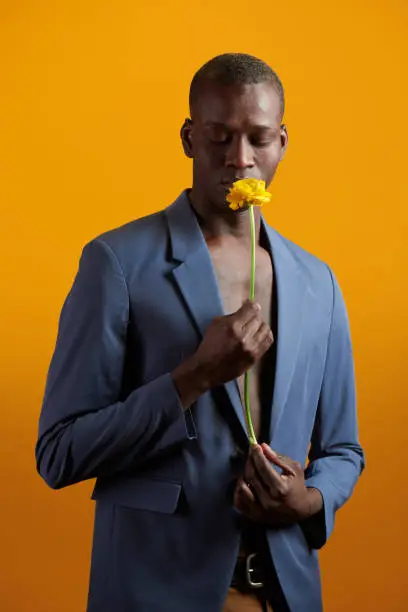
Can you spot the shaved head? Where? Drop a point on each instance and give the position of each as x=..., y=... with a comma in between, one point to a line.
x=234, y=69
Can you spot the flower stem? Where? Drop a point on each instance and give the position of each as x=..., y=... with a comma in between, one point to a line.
x=253, y=247
x=252, y=437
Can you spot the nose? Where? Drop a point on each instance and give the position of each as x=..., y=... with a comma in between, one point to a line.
x=240, y=153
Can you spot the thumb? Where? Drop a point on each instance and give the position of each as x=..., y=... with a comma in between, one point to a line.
x=278, y=460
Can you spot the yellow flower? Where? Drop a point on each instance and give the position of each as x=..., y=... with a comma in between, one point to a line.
x=246, y=192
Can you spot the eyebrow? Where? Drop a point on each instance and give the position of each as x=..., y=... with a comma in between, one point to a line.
x=226, y=126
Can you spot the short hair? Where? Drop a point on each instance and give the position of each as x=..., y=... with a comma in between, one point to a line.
x=235, y=69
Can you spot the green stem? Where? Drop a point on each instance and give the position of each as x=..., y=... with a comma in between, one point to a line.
x=252, y=437
x=253, y=247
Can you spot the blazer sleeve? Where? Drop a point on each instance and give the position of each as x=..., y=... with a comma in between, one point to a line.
x=85, y=431
x=336, y=458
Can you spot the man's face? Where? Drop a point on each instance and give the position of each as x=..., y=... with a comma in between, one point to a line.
x=235, y=133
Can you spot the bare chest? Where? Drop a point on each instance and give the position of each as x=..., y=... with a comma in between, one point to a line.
x=232, y=270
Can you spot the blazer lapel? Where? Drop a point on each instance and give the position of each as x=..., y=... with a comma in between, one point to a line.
x=195, y=277
x=291, y=290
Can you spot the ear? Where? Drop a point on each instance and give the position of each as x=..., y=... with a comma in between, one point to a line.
x=185, y=134
x=284, y=140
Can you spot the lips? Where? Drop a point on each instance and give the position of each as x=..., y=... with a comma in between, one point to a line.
x=230, y=182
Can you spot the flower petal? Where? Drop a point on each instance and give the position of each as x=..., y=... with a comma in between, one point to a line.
x=248, y=192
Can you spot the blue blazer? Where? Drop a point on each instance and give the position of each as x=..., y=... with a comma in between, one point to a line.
x=166, y=535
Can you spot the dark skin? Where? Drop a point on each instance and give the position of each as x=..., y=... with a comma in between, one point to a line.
x=236, y=132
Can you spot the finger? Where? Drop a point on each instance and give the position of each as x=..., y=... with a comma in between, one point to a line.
x=263, y=490
x=249, y=470
x=269, y=452
x=266, y=511
x=247, y=494
x=251, y=478
x=243, y=498
x=248, y=311
x=285, y=463
x=262, y=494
x=243, y=489
x=263, y=339
x=264, y=470
x=238, y=494
x=263, y=333
x=250, y=506
x=250, y=331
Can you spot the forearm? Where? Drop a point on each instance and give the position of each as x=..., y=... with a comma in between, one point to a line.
x=334, y=477
x=314, y=502
x=114, y=438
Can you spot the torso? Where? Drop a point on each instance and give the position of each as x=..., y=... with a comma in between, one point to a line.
x=231, y=263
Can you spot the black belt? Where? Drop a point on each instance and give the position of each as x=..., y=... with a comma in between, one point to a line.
x=249, y=573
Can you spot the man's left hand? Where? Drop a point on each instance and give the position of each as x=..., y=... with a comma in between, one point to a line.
x=266, y=496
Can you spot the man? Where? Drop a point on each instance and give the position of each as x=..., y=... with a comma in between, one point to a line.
x=145, y=386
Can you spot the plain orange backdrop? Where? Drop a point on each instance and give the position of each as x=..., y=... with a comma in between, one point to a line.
x=92, y=95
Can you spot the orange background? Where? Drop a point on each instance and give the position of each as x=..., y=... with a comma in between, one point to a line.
x=92, y=97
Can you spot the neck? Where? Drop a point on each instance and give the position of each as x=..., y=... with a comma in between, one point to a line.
x=219, y=223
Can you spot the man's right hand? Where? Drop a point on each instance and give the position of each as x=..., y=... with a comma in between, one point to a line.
x=231, y=345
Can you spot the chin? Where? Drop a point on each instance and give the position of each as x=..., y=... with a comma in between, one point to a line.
x=214, y=197
x=220, y=202
x=217, y=198
x=222, y=198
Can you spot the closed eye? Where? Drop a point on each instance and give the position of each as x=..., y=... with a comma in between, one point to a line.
x=260, y=142
x=220, y=140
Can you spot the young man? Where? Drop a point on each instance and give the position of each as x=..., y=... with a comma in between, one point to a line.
x=145, y=389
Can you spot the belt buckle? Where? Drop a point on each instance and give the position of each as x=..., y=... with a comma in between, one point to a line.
x=250, y=570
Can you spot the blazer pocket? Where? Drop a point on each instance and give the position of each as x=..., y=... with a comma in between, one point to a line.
x=140, y=494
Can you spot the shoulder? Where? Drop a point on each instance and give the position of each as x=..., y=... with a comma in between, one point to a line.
x=134, y=244
x=135, y=235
